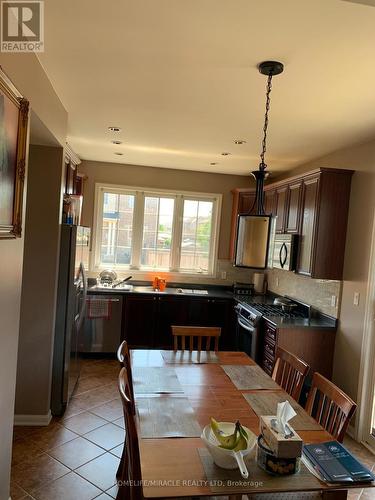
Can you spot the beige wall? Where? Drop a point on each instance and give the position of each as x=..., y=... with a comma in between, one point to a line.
x=161, y=178
x=357, y=254
x=10, y=293
x=25, y=70
x=43, y=212
x=28, y=76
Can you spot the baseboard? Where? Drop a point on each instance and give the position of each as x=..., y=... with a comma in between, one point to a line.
x=32, y=419
x=351, y=432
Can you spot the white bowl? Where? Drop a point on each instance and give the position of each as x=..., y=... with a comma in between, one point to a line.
x=222, y=457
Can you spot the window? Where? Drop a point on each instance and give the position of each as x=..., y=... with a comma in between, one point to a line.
x=164, y=231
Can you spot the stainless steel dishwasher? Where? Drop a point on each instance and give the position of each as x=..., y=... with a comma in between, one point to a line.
x=102, y=331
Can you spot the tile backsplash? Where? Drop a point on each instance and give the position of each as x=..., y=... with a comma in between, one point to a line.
x=317, y=293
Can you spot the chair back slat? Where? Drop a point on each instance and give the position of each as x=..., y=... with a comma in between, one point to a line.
x=123, y=356
x=330, y=406
x=290, y=372
x=202, y=334
x=131, y=463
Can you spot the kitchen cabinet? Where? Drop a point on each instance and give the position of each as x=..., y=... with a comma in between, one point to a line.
x=148, y=319
x=310, y=200
x=246, y=202
x=313, y=206
x=270, y=202
x=314, y=345
x=325, y=210
x=293, y=211
x=170, y=311
x=281, y=206
x=214, y=312
x=139, y=320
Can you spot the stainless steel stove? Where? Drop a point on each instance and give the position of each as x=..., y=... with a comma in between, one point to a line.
x=249, y=314
x=275, y=310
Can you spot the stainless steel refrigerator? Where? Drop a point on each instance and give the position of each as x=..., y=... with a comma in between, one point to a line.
x=70, y=313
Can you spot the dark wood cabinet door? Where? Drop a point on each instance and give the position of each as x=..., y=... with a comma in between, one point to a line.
x=281, y=200
x=245, y=202
x=139, y=321
x=270, y=202
x=307, y=237
x=294, y=208
x=214, y=312
x=170, y=311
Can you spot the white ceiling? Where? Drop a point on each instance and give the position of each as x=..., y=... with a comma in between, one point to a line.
x=180, y=78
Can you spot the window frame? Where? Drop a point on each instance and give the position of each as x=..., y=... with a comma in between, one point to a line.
x=137, y=231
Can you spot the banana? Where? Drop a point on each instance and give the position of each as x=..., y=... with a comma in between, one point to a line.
x=242, y=441
x=235, y=441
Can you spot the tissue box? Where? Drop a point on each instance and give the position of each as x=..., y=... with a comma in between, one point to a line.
x=285, y=447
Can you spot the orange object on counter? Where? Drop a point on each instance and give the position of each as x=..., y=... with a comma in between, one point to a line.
x=155, y=283
x=162, y=285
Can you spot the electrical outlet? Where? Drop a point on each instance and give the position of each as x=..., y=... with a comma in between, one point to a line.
x=356, y=299
x=223, y=275
x=277, y=282
x=333, y=300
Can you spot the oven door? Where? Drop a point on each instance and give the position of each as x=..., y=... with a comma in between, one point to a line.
x=247, y=337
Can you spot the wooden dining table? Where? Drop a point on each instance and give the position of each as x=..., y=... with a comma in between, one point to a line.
x=174, y=466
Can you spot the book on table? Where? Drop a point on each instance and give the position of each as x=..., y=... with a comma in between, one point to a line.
x=335, y=464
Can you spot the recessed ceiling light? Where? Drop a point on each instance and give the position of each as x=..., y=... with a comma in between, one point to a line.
x=119, y=154
x=225, y=154
x=213, y=163
x=239, y=141
x=114, y=129
x=116, y=142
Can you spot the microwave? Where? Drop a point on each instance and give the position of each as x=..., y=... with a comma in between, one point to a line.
x=285, y=252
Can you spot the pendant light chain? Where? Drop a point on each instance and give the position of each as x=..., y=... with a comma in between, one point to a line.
x=262, y=165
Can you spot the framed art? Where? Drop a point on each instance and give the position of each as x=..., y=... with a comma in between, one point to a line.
x=14, y=116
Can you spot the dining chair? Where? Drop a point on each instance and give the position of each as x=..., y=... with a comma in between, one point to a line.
x=196, y=332
x=290, y=372
x=330, y=406
x=130, y=463
x=123, y=355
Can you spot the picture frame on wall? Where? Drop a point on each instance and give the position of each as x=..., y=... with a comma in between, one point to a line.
x=14, y=118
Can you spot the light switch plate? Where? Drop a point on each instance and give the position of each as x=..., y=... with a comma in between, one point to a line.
x=356, y=299
x=333, y=300
x=223, y=275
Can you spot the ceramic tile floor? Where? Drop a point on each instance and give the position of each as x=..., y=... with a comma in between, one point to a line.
x=76, y=456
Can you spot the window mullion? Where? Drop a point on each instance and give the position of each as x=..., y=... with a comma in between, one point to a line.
x=177, y=233
x=138, y=217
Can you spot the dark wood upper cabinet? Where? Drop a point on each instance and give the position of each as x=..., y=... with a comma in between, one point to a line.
x=281, y=208
x=314, y=206
x=246, y=202
x=309, y=213
x=293, y=211
x=326, y=225
x=270, y=202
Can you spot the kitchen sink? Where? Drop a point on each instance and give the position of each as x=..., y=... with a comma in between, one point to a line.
x=124, y=287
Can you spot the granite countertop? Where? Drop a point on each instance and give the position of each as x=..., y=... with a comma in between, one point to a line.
x=317, y=319
x=212, y=292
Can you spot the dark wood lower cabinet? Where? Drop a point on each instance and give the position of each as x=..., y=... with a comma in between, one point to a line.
x=314, y=345
x=139, y=320
x=170, y=311
x=148, y=319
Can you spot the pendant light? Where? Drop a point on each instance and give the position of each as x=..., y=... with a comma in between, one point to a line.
x=270, y=69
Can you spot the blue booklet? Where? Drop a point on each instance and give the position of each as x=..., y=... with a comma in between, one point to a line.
x=336, y=464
